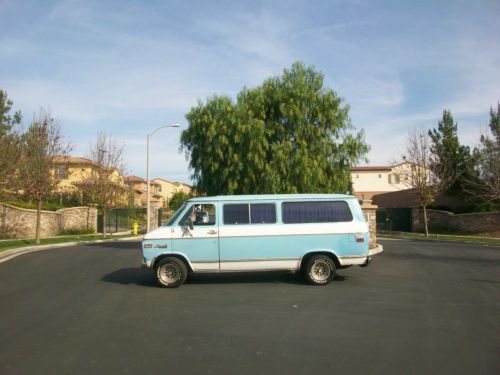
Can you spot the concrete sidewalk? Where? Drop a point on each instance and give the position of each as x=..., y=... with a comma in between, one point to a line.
x=6, y=255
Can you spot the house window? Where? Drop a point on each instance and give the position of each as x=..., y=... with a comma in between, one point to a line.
x=61, y=172
x=393, y=179
x=144, y=187
x=357, y=176
x=379, y=176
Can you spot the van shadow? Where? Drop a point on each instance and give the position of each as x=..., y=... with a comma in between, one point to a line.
x=127, y=276
x=117, y=245
x=144, y=277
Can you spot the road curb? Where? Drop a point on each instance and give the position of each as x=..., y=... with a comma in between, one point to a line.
x=12, y=253
x=443, y=240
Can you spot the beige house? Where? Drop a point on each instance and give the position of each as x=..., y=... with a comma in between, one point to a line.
x=167, y=189
x=139, y=188
x=368, y=181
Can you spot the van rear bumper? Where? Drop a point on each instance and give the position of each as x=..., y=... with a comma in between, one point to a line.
x=372, y=252
x=377, y=250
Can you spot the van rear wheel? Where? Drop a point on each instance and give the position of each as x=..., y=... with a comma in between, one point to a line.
x=171, y=272
x=320, y=270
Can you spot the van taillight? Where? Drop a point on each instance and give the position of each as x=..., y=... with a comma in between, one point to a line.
x=360, y=239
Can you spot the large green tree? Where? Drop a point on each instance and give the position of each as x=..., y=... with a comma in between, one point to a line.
x=10, y=149
x=289, y=135
x=485, y=186
x=451, y=159
x=7, y=120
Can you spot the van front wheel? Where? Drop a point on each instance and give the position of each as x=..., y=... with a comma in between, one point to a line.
x=320, y=270
x=171, y=272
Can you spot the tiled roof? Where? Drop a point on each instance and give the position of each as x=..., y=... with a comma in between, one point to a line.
x=373, y=168
x=135, y=179
x=72, y=160
x=139, y=179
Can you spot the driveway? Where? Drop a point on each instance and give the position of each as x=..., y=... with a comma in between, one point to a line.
x=420, y=308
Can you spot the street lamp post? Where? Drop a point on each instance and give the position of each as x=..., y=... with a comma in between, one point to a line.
x=148, y=198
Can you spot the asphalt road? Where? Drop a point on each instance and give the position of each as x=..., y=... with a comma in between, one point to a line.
x=420, y=308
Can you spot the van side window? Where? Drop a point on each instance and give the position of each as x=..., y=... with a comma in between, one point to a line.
x=199, y=214
x=316, y=212
x=258, y=213
x=263, y=213
x=236, y=214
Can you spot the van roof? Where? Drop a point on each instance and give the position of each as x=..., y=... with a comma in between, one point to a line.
x=268, y=197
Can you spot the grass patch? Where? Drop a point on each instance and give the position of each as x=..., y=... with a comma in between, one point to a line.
x=14, y=244
x=441, y=237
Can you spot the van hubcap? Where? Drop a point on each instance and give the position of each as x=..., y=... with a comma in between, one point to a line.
x=170, y=273
x=321, y=270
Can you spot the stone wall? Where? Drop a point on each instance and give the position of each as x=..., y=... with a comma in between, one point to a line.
x=155, y=206
x=370, y=212
x=471, y=222
x=18, y=222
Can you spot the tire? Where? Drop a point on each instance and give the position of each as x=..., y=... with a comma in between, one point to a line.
x=320, y=270
x=171, y=272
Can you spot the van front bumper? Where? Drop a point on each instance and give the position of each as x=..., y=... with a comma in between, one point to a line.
x=146, y=263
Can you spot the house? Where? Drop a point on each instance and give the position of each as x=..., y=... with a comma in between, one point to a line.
x=74, y=174
x=368, y=181
x=167, y=189
x=391, y=186
x=139, y=188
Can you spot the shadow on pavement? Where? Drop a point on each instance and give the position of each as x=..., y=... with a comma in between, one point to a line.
x=126, y=276
x=144, y=277
x=118, y=245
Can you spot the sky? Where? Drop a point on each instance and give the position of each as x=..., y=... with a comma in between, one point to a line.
x=128, y=67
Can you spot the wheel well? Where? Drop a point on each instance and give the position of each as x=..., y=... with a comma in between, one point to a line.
x=306, y=257
x=180, y=257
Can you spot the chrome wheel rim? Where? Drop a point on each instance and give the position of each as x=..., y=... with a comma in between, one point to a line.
x=321, y=270
x=169, y=273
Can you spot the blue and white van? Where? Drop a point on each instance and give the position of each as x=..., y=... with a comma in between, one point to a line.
x=312, y=233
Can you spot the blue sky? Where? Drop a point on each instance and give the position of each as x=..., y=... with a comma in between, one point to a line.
x=128, y=67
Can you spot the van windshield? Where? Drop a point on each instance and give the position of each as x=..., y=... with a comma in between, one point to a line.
x=175, y=216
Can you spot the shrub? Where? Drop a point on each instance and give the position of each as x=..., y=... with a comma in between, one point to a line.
x=76, y=231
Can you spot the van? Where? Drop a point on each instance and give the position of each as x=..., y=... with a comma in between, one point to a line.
x=313, y=233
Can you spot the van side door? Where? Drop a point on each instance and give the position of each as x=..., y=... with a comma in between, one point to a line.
x=196, y=237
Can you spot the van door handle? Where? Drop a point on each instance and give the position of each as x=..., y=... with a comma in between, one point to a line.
x=212, y=232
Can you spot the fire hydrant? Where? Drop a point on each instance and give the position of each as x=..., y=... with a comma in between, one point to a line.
x=136, y=228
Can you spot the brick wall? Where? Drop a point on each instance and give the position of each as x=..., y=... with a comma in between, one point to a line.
x=18, y=222
x=471, y=222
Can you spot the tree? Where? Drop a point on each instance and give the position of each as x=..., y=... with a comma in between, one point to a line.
x=7, y=121
x=104, y=184
x=485, y=184
x=450, y=159
x=41, y=144
x=289, y=135
x=10, y=142
x=178, y=199
x=419, y=169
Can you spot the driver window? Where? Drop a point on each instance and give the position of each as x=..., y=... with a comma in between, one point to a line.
x=199, y=215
